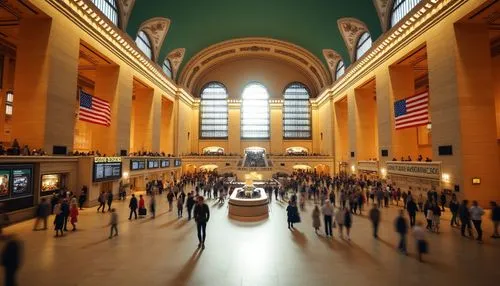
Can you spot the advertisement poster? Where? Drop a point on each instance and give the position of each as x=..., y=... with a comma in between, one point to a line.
x=51, y=183
x=21, y=180
x=4, y=183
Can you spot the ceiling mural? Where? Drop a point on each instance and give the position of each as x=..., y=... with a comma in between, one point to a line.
x=332, y=59
x=156, y=29
x=175, y=57
x=198, y=24
x=351, y=29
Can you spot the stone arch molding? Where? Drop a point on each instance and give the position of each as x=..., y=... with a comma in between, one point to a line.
x=125, y=7
x=156, y=29
x=262, y=47
x=332, y=59
x=384, y=12
x=176, y=57
x=351, y=29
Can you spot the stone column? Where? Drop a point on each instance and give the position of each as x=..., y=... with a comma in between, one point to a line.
x=385, y=115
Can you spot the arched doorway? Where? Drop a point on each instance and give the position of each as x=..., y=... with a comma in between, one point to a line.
x=322, y=169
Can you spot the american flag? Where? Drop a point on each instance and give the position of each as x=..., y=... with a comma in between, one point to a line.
x=412, y=111
x=94, y=110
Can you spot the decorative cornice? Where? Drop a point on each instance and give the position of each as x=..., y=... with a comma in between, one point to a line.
x=427, y=14
x=176, y=57
x=332, y=59
x=156, y=29
x=264, y=47
x=93, y=22
x=351, y=29
x=126, y=7
x=383, y=10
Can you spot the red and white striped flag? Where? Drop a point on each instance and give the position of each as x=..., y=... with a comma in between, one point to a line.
x=94, y=110
x=412, y=111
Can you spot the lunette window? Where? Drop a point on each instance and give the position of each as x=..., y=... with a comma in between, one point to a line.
x=255, y=123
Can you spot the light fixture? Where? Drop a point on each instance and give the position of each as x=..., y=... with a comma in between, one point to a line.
x=383, y=172
x=353, y=169
x=125, y=175
x=429, y=126
x=446, y=178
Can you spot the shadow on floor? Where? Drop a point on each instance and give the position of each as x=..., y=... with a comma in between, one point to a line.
x=182, y=278
x=94, y=243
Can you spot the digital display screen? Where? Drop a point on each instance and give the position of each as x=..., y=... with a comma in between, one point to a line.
x=16, y=181
x=153, y=163
x=177, y=162
x=165, y=163
x=107, y=168
x=21, y=182
x=4, y=183
x=137, y=165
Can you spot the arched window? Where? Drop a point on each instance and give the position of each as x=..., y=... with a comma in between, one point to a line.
x=364, y=44
x=255, y=112
x=108, y=8
x=167, y=68
x=340, y=70
x=400, y=8
x=213, y=111
x=296, y=112
x=144, y=44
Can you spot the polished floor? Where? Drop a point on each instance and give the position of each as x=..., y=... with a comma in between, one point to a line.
x=164, y=251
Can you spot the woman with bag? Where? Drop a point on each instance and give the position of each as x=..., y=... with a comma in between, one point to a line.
x=419, y=234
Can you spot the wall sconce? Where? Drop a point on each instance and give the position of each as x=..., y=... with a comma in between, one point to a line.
x=445, y=177
x=125, y=175
x=353, y=169
x=383, y=172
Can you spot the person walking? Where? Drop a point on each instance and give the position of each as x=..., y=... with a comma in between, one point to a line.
x=133, y=207
x=82, y=198
x=292, y=213
x=113, y=222
x=65, y=213
x=180, y=206
x=170, y=199
x=454, y=210
x=476, y=213
x=375, y=219
x=316, y=219
x=201, y=216
x=402, y=229
x=495, y=218
x=11, y=260
x=339, y=218
x=420, y=203
x=464, y=215
x=59, y=219
x=73, y=212
x=436, y=218
x=348, y=223
x=419, y=235
x=109, y=198
x=102, y=202
x=152, y=205
x=42, y=214
x=411, y=208
x=327, y=211
x=442, y=200
x=190, y=204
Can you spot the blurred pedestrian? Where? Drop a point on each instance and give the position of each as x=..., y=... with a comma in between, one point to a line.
x=109, y=198
x=495, y=218
x=74, y=216
x=11, y=260
x=113, y=222
x=402, y=229
x=422, y=245
x=316, y=219
x=327, y=218
x=201, y=216
x=133, y=207
x=42, y=214
x=375, y=219
x=190, y=204
x=476, y=213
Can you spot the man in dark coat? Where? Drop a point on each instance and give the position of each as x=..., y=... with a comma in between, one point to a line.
x=133, y=207
x=190, y=204
x=411, y=207
x=402, y=229
x=201, y=216
x=464, y=215
x=11, y=260
x=375, y=219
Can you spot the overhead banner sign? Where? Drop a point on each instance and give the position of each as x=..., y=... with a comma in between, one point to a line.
x=370, y=166
x=415, y=169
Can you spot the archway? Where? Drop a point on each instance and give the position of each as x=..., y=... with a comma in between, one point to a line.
x=322, y=169
x=208, y=167
x=189, y=169
x=302, y=167
x=213, y=150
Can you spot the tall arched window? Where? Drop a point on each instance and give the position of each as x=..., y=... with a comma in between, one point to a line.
x=400, y=8
x=364, y=44
x=213, y=111
x=296, y=112
x=340, y=70
x=167, y=68
x=108, y=8
x=255, y=112
x=144, y=44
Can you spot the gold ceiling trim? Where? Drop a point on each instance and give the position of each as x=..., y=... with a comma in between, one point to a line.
x=244, y=47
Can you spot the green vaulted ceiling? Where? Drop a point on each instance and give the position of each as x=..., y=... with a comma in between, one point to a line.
x=197, y=24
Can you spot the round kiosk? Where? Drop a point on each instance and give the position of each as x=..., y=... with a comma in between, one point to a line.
x=248, y=203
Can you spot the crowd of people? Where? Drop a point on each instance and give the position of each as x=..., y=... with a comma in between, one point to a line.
x=15, y=150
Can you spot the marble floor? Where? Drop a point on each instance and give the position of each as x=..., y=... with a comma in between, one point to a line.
x=163, y=251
